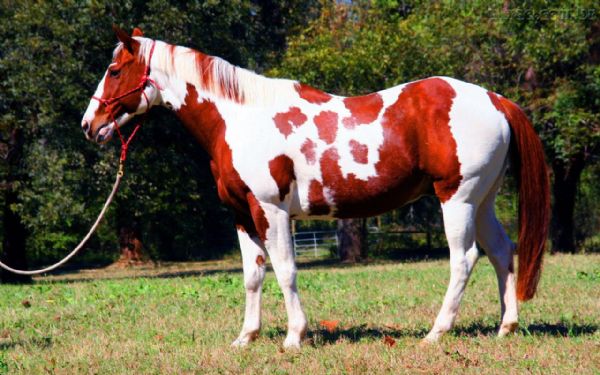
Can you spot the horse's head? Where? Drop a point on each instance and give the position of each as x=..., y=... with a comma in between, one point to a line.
x=125, y=91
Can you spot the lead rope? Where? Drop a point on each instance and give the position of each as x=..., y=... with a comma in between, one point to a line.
x=120, y=173
x=124, y=147
x=85, y=239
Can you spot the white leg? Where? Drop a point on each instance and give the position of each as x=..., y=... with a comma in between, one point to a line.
x=253, y=257
x=499, y=249
x=281, y=253
x=459, y=224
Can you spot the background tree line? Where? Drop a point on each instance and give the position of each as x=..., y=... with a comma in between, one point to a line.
x=542, y=54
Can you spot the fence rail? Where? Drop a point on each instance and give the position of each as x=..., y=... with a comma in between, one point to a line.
x=317, y=242
x=313, y=242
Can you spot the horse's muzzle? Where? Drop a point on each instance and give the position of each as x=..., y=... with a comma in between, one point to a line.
x=86, y=129
x=104, y=133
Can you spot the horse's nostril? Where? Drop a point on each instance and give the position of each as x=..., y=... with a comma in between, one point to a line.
x=85, y=126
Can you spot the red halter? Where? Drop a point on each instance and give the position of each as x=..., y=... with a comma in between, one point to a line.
x=140, y=87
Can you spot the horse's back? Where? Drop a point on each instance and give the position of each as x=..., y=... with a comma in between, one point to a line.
x=362, y=156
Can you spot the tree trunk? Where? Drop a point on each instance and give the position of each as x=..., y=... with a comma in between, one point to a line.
x=15, y=233
x=352, y=240
x=564, y=189
x=130, y=246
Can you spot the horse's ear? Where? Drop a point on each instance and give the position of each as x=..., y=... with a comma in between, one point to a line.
x=137, y=32
x=123, y=38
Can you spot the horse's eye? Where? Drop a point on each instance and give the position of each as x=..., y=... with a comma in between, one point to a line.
x=114, y=73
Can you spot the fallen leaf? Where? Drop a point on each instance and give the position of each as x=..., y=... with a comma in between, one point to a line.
x=26, y=303
x=387, y=340
x=158, y=337
x=329, y=325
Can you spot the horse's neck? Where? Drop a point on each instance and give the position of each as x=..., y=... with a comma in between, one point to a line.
x=200, y=112
x=202, y=105
x=204, y=115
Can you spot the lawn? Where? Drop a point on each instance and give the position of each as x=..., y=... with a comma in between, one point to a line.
x=181, y=318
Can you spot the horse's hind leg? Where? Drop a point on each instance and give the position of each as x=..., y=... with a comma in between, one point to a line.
x=459, y=225
x=499, y=248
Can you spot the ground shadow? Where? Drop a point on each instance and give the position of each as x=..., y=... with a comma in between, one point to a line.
x=364, y=332
x=562, y=329
x=39, y=342
x=403, y=256
x=418, y=254
x=160, y=275
x=361, y=333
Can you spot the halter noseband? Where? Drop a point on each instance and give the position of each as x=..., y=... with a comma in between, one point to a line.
x=140, y=87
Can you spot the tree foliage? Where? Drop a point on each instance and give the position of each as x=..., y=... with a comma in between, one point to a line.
x=544, y=55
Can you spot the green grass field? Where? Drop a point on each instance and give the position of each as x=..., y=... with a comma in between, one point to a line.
x=181, y=318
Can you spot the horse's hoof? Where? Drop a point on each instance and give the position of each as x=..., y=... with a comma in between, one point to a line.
x=244, y=339
x=507, y=328
x=432, y=337
x=292, y=343
x=427, y=342
x=239, y=343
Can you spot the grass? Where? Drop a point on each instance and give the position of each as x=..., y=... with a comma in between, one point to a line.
x=181, y=318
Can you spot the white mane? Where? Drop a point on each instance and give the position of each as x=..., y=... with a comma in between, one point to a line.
x=226, y=81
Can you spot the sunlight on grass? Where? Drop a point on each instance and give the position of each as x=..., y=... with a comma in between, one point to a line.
x=181, y=319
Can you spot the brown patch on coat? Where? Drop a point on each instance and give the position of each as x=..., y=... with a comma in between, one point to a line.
x=308, y=149
x=359, y=151
x=258, y=216
x=285, y=120
x=327, y=125
x=282, y=171
x=260, y=260
x=364, y=109
x=316, y=199
x=425, y=106
x=311, y=94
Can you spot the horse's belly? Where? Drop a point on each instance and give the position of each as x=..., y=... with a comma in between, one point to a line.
x=353, y=197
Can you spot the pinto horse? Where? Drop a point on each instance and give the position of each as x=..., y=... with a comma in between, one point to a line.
x=283, y=150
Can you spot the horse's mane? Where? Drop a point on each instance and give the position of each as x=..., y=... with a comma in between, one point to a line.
x=215, y=75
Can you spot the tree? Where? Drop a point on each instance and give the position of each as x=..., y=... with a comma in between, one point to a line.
x=556, y=53
x=352, y=240
x=14, y=234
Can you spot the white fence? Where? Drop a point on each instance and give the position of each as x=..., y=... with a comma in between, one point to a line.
x=314, y=242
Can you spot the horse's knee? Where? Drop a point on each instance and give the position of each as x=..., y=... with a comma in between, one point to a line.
x=253, y=278
x=286, y=277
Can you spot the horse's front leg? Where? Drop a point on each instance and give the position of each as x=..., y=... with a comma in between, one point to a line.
x=281, y=252
x=253, y=257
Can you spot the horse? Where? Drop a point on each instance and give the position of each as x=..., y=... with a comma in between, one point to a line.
x=283, y=150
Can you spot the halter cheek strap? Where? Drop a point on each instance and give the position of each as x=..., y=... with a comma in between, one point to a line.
x=145, y=79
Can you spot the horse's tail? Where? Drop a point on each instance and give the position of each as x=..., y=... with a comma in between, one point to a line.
x=534, y=196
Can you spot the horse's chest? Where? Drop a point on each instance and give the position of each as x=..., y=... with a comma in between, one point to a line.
x=231, y=189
